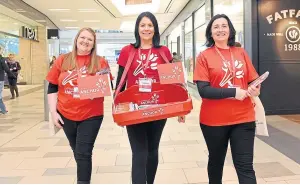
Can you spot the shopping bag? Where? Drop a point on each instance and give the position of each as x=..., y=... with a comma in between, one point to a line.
x=260, y=117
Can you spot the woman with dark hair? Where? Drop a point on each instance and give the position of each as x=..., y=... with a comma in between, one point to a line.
x=80, y=119
x=222, y=75
x=144, y=138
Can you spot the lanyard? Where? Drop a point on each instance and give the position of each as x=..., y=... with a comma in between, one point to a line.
x=148, y=57
x=230, y=64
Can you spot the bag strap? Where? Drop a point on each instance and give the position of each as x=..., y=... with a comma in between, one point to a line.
x=162, y=54
x=128, y=64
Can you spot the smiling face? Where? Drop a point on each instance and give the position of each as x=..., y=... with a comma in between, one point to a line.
x=85, y=42
x=220, y=30
x=146, y=29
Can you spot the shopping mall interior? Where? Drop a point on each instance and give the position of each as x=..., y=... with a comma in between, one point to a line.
x=36, y=30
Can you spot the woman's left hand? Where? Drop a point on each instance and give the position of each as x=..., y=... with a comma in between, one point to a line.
x=253, y=90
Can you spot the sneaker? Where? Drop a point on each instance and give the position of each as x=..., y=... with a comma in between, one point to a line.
x=3, y=112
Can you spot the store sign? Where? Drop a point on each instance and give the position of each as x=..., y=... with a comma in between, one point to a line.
x=279, y=30
x=279, y=53
x=29, y=33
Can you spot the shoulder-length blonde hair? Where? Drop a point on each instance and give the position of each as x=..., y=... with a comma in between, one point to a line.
x=70, y=59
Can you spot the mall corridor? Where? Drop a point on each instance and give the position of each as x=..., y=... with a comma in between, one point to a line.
x=29, y=155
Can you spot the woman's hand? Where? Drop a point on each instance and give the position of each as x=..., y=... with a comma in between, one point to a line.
x=253, y=91
x=240, y=94
x=57, y=120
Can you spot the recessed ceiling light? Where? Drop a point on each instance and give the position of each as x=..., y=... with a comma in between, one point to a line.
x=59, y=10
x=19, y=10
x=91, y=20
x=72, y=27
x=16, y=23
x=88, y=10
x=68, y=20
x=40, y=20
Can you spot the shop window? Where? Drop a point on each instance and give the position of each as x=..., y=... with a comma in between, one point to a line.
x=189, y=60
x=234, y=10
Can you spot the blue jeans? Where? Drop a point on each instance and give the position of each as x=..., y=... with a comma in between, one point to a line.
x=2, y=106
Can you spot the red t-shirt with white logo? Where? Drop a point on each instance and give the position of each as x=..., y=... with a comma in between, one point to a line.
x=69, y=106
x=211, y=68
x=136, y=70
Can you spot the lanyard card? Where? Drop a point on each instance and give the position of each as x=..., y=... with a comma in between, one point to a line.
x=145, y=84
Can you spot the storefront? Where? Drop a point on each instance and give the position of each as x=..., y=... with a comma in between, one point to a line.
x=269, y=31
x=27, y=41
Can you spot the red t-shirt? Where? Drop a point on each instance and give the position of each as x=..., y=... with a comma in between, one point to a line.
x=136, y=70
x=72, y=107
x=210, y=68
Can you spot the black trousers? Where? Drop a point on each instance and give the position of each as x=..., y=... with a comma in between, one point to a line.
x=144, y=140
x=241, y=138
x=12, y=81
x=82, y=136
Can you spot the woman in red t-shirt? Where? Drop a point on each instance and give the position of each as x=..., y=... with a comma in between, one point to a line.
x=80, y=119
x=222, y=75
x=144, y=138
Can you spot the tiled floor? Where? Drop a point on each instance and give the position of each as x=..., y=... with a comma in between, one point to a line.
x=29, y=155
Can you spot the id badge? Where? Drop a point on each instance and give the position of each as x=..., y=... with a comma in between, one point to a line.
x=76, y=93
x=145, y=84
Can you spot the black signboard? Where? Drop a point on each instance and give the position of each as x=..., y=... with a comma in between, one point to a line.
x=279, y=53
x=279, y=27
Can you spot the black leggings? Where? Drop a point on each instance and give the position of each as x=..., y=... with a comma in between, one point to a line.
x=241, y=137
x=144, y=140
x=82, y=136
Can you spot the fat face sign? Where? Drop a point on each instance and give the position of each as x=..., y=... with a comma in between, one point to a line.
x=283, y=14
x=29, y=33
x=279, y=29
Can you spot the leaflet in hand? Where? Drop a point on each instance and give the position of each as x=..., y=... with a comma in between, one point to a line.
x=260, y=79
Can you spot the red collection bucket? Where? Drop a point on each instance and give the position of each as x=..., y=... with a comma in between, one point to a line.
x=177, y=102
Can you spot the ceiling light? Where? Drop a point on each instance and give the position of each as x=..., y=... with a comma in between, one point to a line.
x=59, y=10
x=16, y=23
x=88, y=10
x=91, y=21
x=136, y=9
x=19, y=10
x=72, y=27
x=68, y=20
x=40, y=20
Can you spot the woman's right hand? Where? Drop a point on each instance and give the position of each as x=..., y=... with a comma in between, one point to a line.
x=240, y=94
x=57, y=120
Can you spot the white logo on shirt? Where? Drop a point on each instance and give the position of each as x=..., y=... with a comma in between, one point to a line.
x=142, y=60
x=239, y=73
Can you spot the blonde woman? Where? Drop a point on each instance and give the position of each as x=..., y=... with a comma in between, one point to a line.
x=80, y=119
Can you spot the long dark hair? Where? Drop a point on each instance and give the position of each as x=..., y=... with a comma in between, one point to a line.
x=209, y=39
x=156, y=36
